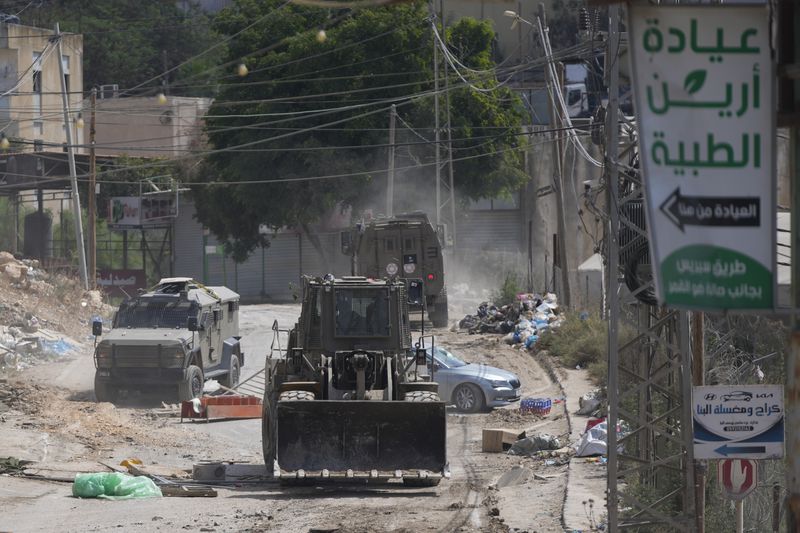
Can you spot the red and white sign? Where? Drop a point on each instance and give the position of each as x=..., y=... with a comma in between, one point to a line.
x=737, y=477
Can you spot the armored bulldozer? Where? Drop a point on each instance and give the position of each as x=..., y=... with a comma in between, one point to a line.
x=345, y=400
x=406, y=246
x=175, y=336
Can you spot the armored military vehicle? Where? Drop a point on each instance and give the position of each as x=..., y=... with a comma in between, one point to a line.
x=177, y=335
x=406, y=246
x=345, y=400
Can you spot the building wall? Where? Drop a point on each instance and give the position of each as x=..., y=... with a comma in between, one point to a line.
x=143, y=127
x=271, y=274
x=31, y=119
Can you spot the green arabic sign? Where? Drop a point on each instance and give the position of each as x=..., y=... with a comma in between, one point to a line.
x=703, y=84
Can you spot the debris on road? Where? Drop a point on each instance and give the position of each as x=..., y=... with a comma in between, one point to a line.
x=114, y=486
x=589, y=404
x=500, y=439
x=12, y=465
x=228, y=406
x=535, y=443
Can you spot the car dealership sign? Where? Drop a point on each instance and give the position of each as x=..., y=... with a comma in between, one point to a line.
x=738, y=421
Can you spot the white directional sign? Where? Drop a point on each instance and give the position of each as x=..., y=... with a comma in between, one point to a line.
x=738, y=421
x=705, y=114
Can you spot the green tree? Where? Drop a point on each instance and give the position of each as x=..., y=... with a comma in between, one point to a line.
x=268, y=125
x=128, y=42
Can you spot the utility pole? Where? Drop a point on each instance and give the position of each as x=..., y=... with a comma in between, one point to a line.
x=436, y=115
x=612, y=241
x=698, y=378
x=450, y=188
x=76, y=201
x=390, y=174
x=555, y=84
x=788, y=19
x=92, y=194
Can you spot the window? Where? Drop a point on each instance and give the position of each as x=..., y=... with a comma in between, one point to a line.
x=574, y=97
x=362, y=313
x=154, y=314
x=65, y=63
x=408, y=243
x=37, y=83
x=389, y=244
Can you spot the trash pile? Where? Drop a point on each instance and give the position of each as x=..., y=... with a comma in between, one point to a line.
x=521, y=322
x=19, y=351
x=41, y=312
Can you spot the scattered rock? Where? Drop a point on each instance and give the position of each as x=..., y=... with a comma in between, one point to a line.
x=494, y=511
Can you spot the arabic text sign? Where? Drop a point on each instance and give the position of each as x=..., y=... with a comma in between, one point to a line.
x=738, y=421
x=121, y=282
x=703, y=84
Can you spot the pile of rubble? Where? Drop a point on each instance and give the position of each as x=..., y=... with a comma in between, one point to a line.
x=40, y=313
x=521, y=322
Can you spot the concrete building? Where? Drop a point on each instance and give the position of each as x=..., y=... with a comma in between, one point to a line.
x=145, y=127
x=30, y=105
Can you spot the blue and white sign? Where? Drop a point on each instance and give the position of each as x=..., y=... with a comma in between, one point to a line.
x=738, y=421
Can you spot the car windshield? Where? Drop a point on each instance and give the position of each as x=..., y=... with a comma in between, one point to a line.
x=446, y=358
x=154, y=314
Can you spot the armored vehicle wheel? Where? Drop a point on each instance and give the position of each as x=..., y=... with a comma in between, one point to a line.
x=104, y=391
x=421, y=396
x=231, y=379
x=468, y=398
x=192, y=384
x=297, y=396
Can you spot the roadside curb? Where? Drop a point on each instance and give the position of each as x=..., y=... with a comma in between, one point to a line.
x=545, y=360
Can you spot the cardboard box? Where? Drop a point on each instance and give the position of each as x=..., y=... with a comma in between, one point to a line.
x=500, y=439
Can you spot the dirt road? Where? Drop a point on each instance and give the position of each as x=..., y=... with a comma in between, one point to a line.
x=49, y=417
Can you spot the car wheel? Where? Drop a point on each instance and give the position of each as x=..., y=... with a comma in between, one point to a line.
x=468, y=398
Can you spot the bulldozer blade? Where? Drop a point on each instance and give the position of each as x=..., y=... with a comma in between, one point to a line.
x=361, y=435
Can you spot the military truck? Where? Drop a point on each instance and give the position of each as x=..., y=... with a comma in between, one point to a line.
x=406, y=246
x=176, y=336
x=345, y=400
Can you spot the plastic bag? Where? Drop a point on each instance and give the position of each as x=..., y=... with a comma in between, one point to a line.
x=114, y=486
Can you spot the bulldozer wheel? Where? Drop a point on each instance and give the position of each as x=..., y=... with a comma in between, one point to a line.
x=421, y=482
x=421, y=396
x=268, y=437
x=104, y=391
x=297, y=396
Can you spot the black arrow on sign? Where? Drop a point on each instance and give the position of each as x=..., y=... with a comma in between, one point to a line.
x=731, y=211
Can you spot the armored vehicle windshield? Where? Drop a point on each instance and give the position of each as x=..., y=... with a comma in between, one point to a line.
x=155, y=314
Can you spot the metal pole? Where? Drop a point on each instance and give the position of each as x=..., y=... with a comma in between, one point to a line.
x=92, y=200
x=76, y=201
x=555, y=84
x=698, y=378
x=451, y=199
x=612, y=185
x=776, y=508
x=790, y=19
x=436, y=116
x=390, y=174
x=739, y=516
